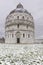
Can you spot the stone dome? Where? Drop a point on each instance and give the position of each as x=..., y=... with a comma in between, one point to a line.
x=20, y=9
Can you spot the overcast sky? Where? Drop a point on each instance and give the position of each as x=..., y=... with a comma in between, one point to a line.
x=35, y=7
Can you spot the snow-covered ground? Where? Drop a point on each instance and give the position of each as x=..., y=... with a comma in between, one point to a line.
x=13, y=54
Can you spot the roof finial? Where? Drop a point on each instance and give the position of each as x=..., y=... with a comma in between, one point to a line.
x=19, y=5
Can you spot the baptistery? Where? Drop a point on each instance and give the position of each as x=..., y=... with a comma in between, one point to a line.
x=19, y=26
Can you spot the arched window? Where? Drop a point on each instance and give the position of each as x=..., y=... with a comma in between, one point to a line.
x=23, y=17
x=27, y=26
x=18, y=25
x=17, y=17
x=23, y=35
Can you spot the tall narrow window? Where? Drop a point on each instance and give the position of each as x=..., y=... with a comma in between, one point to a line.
x=23, y=35
x=18, y=25
x=17, y=17
x=27, y=26
x=23, y=17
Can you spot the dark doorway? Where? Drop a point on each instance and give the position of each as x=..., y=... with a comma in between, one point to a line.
x=18, y=40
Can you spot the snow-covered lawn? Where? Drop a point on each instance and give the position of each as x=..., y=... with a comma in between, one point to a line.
x=11, y=54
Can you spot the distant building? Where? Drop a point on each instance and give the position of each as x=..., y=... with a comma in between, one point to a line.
x=39, y=41
x=19, y=26
x=2, y=40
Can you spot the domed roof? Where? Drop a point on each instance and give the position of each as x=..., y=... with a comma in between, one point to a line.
x=20, y=9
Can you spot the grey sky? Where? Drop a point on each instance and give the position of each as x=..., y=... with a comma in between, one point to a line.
x=35, y=7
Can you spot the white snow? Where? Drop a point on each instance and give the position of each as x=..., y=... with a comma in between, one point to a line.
x=13, y=54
